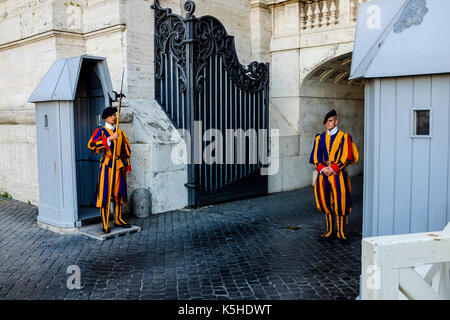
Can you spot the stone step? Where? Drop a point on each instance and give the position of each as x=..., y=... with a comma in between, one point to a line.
x=95, y=231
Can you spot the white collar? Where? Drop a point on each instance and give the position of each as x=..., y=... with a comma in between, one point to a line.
x=333, y=132
x=110, y=127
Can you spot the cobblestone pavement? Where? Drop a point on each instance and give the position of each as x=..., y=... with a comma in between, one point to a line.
x=238, y=250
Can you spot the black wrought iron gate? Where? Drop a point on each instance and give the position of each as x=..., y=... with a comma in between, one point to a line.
x=222, y=105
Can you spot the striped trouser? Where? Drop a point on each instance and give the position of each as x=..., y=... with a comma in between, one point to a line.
x=118, y=216
x=339, y=226
x=119, y=189
x=118, y=197
x=332, y=196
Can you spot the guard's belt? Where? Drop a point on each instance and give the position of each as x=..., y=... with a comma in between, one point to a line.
x=110, y=157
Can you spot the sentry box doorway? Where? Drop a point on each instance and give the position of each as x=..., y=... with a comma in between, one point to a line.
x=69, y=103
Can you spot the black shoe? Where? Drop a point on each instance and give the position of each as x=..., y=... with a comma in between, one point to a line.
x=344, y=241
x=106, y=231
x=123, y=225
x=332, y=236
x=323, y=238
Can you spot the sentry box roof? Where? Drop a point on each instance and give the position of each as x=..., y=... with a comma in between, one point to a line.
x=401, y=38
x=61, y=81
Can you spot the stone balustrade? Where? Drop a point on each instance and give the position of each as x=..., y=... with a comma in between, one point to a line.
x=305, y=17
x=318, y=14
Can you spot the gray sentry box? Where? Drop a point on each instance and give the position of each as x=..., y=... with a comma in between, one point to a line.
x=69, y=103
x=401, y=51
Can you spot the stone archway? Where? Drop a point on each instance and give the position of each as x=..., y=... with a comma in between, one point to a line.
x=327, y=87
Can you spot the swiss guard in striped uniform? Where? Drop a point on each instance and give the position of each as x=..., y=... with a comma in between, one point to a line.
x=102, y=141
x=333, y=151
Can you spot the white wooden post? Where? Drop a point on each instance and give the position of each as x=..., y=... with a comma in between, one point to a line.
x=392, y=265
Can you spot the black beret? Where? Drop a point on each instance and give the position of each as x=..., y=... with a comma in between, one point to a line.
x=109, y=112
x=330, y=114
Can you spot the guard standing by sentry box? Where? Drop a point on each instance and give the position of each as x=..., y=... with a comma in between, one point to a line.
x=70, y=100
x=114, y=166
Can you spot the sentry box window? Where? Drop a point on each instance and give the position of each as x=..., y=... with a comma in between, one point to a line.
x=46, y=121
x=422, y=123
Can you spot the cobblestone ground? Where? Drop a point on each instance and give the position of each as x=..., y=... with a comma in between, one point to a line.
x=238, y=250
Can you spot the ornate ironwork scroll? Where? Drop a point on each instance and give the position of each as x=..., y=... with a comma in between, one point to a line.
x=212, y=39
x=170, y=63
x=199, y=79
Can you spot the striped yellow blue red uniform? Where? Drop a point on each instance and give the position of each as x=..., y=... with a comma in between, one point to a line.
x=332, y=193
x=98, y=144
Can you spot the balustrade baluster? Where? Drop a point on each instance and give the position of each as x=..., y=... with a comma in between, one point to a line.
x=333, y=13
x=316, y=23
x=309, y=15
x=302, y=6
x=325, y=13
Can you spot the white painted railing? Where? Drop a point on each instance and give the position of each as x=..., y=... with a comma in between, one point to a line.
x=411, y=266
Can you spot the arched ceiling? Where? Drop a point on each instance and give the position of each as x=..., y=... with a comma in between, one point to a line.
x=335, y=71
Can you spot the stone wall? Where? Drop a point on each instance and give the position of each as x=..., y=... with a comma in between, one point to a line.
x=21, y=67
